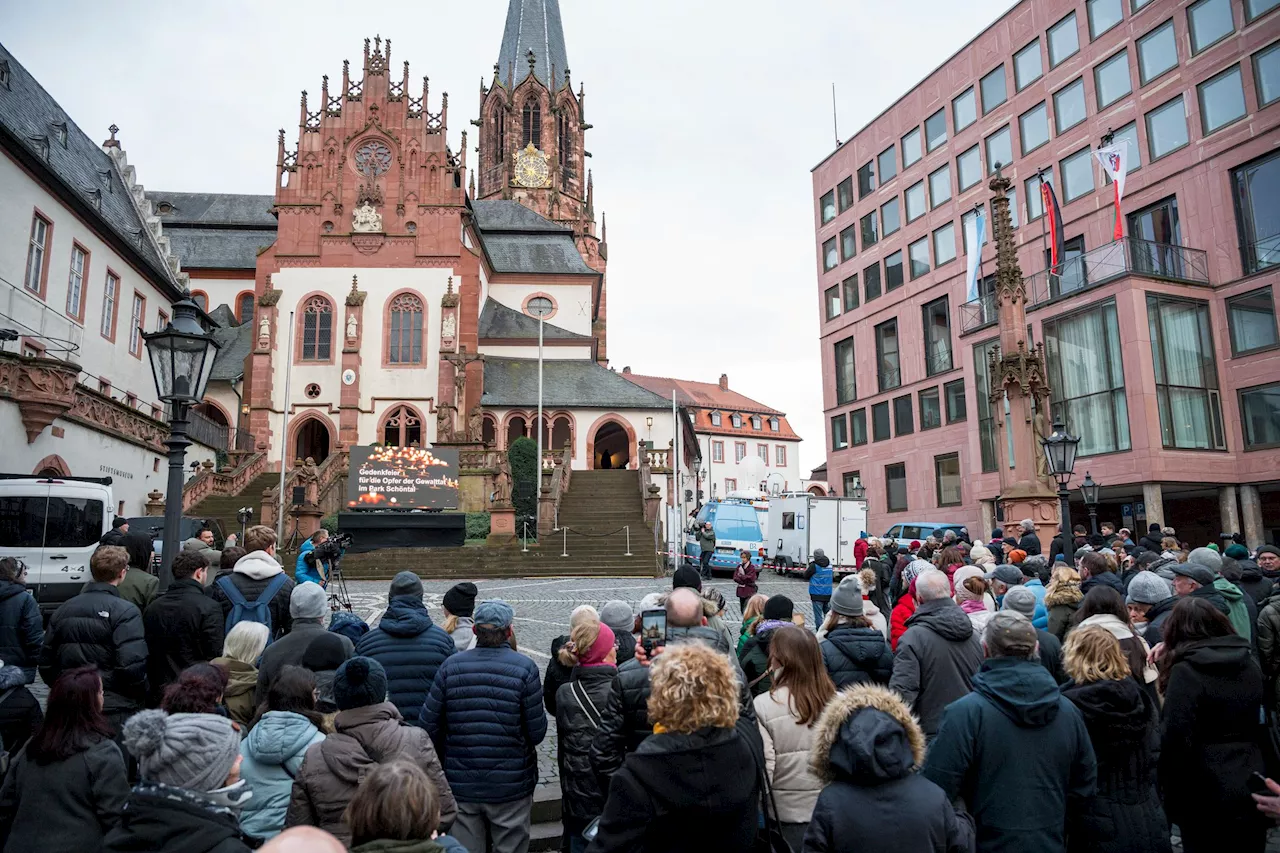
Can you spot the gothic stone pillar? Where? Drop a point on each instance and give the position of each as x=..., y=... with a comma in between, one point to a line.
x=349, y=395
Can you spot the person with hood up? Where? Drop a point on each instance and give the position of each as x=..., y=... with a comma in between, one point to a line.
x=308, y=607
x=778, y=613
x=905, y=606
x=820, y=578
x=397, y=810
x=871, y=596
x=938, y=654
x=972, y=595
x=458, y=605
x=348, y=624
x=21, y=626
x=854, y=651
x=1014, y=749
x=1105, y=608
x=240, y=653
x=139, y=586
x=1210, y=739
x=408, y=644
x=324, y=655
x=867, y=749
x=1062, y=599
x=1022, y=600
x=1150, y=600
x=254, y=574
x=1250, y=579
x=1123, y=721
x=273, y=750
x=368, y=732
x=20, y=714
x=1152, y=538
x=189, y=794
x=558, y=673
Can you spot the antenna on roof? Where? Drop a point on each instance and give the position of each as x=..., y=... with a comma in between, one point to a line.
x=835, y=118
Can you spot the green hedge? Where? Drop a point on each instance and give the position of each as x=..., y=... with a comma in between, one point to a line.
x=477, y=525
x=330, y=523
x=523, y=457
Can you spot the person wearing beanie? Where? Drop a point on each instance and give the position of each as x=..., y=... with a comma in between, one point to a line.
x=592, y=653
x=981, y=556
x=368, y=731
x=853, y=650
x=906, y=603
x=1150, y=600
x=323, y=657
x=458, y=604
x=1241, y=608
x=1022, y=600
x=779, y=611
x=259, y=573
x=408, y=644
x=618, y=616
x=873, y=606
x=1151, y=539
x=686, y=577
x=486, y=716
x=308, y=608
x=189, y=793
x=558, y=673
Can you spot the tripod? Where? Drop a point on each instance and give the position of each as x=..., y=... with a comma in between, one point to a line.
x=335, y=585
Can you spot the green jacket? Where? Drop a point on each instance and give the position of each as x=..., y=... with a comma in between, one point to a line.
x=706, y=538
x=139, y=588
x=1239, y=614
x=441, y=844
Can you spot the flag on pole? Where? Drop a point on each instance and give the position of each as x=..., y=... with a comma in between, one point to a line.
x=1054, y=214
x=975, y=231
x=1115, y=162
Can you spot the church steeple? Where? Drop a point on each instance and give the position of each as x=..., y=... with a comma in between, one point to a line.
x=533, y=25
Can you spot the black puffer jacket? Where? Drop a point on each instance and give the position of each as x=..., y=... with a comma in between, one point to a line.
x=21, y=628
x=1125, y=814
x=163, y=819
x=857, y=656
x=583, y=795
x=99, y=628
x=183, y=626
x=410, y=648
x=19, y=710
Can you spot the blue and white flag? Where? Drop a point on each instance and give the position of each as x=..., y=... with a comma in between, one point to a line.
x=974, y=237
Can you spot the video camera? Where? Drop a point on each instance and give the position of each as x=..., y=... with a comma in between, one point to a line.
x=331, y=549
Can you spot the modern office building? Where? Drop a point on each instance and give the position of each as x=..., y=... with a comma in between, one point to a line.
x=1162, y=347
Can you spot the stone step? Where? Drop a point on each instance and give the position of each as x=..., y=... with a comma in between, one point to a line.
x=545, y=836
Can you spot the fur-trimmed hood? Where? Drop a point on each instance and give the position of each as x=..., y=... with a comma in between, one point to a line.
x=1067, y=592
x=866, y=735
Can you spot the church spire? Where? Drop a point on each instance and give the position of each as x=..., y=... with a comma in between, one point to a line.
x=533, y=25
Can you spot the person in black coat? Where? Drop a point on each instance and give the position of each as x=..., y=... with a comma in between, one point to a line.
x=1029, y=541
x=19, y=711
x=408, y=644
x=99, y=628
x=183, y=625
x=21, y=626
x=591, y=652
x=1152, y=539
x=853, y=651
x=1124, y=815
x=557, y=673
x=116, y=535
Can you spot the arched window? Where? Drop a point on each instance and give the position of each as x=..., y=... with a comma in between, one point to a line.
x=532, y=123
x=561, y=433
x=201, y=299
x=404, y=335
x=489, y=430
x=402, y=428
x=564, y=148
x=244, y=307
x=516, y=428
x=500, y=125
x=317, y=329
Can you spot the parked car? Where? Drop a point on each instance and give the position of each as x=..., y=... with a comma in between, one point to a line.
x=920, y=530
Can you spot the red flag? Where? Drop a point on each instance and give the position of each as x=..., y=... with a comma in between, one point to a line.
x=1054, y=213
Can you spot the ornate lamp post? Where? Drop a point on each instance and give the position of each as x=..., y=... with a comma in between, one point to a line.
x=182, y=357
x=1060, y=454
x=1089, y=491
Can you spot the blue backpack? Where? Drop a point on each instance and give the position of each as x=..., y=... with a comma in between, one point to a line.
x=258, y=610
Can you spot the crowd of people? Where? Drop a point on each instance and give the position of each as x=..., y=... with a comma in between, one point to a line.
x=942, y=695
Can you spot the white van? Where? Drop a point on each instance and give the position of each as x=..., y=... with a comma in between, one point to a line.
x=53, y=525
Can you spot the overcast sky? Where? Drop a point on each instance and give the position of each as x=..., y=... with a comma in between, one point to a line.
x=708, y=117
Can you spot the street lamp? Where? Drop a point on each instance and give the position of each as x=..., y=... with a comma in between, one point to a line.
x=540, y=307
x=1089, y=491
x=1060, y=455
x=859, y=492
x=182, y=356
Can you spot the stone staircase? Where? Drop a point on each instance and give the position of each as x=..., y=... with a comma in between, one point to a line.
x=225, y=507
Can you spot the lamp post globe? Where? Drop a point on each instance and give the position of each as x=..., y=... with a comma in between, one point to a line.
x=182, y=356
x=1060, y=454
x=859, y=492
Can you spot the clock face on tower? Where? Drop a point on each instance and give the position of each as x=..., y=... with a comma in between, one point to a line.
x=531, y=169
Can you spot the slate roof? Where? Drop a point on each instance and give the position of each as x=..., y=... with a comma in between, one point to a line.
x=498, y=215
x=500, y=321
x=533, y=25
x=236, y=342
x=35, y=124
x=215, y=209
x=519, y=240
x=566, y=383
x=218, y=248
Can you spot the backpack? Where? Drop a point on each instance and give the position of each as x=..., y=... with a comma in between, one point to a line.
x=243, y=610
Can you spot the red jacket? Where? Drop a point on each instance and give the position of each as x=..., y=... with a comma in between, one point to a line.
x=746, y=578
x=902, y=611
x=859, y=552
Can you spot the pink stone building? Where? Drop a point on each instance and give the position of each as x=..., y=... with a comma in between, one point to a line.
x=1162, y=348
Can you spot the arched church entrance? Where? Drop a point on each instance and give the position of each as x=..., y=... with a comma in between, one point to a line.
x=612, y=447
x=313, y=440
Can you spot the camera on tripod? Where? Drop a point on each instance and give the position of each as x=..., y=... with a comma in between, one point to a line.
x=330, y=550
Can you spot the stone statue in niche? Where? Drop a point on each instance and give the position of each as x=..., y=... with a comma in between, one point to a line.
x=366, y=219
x=353, y=327
x=502, y=482
x=444, y=422
x=1042, y=431
x=264, y=330
x=449, y=327
x=475, y=424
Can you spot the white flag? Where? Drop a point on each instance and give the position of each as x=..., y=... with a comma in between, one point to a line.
x=975, y=235
x=1115, y=162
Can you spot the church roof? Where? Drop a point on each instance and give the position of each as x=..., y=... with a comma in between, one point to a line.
x=566, y=383
x=500, y=321
x=497, y=215
x=219, y=248
x=214, y=209
x=235, y=342
x=519, y=240
x=533, y=25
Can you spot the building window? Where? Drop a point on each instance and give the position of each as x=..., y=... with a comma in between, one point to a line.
x=844, y=193
x=37, y=254
x=848, y=244
x=1138, y=4
x=532, y=117
x=1260, y=416
x=937, y=337
x=245, y=308
x=871, y=282
x=1221, y=100
x=736, y=420
x=773, y=424
x=1077, y=175
x=1035, y=202
x=994, y=92
x=888, y=368
x=832, y=301
x=1167, y=128
x=1033, y=128
x=1068, y=106
x=717, y=451
x=954, y=393
x=858, y=420
x=715, y=419
x=903, y=420
x=969, y=168
x=1209, y=22
x=999, y=149
x=1111, y=79
x=1157, y=53
x=1186, y=377
x=75, y=281
x=1012, y=197
x=739, y=451
x=918, y=252
x=1103, y=15
x=730, y=485
x=944, y=244
x=940, y=185
x=402, y=427
x=110, y=294
x=893, y=271
x=930, y=409
x=1266, y=75
x=915, y=201
x=1256, y=187
x=850, y=287
x=830, y=256
x=201, y=299
x=850, y=481
x=1157, y=226
x=1087, y=378
x=946, y=473
x=1254, y=9
x=846, y=383
x=1064, y=40
x=911, y=151
x=756, y=422
x=317, y=329
x=827, y=207
x=895, y=487
x=839, y=433
x=1027, y=67
x=1128, y=136
x=986, y=412
x=1072, y=274
x=404, y=336
x=887, y=163
x=866, y=180
x=162, y=320
x=964, y=109
x=762, y=450
x=935, y=130
x=870, y=231
x=1252, y=317
x=880, y=430
x=136, y=314
x=780, y=455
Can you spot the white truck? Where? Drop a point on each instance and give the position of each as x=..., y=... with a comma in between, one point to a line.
x=801, y=524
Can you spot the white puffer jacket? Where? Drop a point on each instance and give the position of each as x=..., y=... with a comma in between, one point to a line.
x=786, y=754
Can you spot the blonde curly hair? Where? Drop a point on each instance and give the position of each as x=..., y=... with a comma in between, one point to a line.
x=1093, y=654
x=692, y=687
